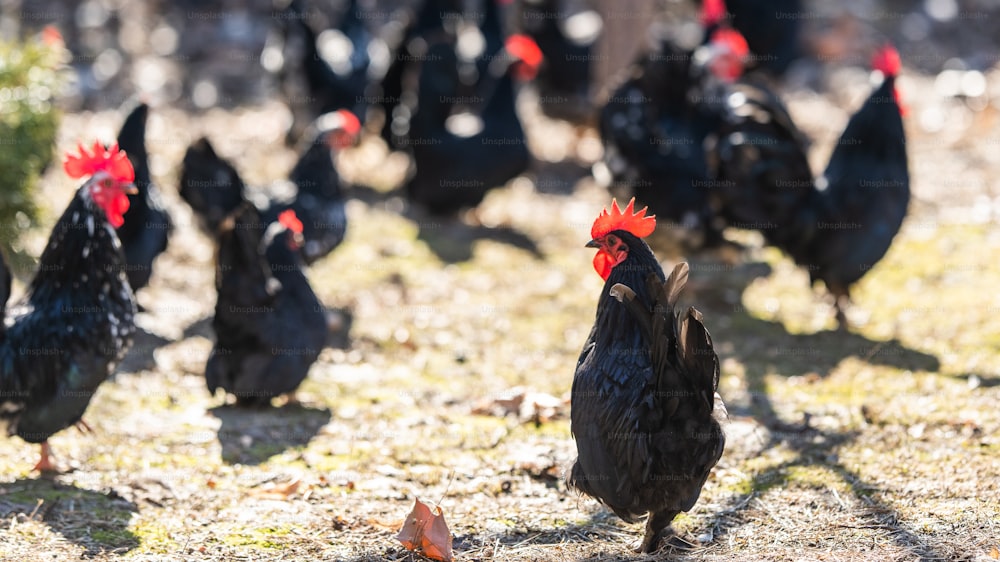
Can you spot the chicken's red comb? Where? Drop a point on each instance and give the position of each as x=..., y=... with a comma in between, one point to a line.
x=732, y=39
x=112, y=161
x=51, y=36
x=628, y=220
x=712, y=12
x=525, y=49
x=289, y=220
x=349, y=122
x=886, y=60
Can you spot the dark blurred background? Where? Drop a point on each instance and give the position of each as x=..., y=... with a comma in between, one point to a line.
x=200, y=54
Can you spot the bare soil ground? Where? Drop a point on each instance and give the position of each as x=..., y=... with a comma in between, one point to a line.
x=877, y=444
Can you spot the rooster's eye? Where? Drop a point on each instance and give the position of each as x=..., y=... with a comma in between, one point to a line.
x=612, y=240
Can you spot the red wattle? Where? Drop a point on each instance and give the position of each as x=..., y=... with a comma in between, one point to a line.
x=603, y=263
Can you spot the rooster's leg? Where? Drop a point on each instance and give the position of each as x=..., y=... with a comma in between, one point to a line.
x=657, y=524
x=841, y=299
x=842, y=324
x=291, y=399
x=45, y=464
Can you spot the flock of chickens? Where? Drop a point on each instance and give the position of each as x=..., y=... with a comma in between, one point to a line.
x=692, y=138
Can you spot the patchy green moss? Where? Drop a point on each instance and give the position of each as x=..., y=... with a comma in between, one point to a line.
x=271, y=537
x=153, y=538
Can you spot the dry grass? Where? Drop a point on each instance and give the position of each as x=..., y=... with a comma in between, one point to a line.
x=898, y=461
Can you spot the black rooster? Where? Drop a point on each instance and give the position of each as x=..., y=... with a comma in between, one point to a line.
x=269, y=325
x=849, y=224
x=79, y=316
x=147, y=224
x=644, y=392
x=453, y=171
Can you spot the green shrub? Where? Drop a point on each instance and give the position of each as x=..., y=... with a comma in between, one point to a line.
x=32, y=73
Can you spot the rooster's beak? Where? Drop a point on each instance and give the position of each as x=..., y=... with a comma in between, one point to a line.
x=593, y=244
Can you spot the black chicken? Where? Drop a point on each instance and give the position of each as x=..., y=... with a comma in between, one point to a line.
x=318, y=201
x=147, y=224
x=269, y=325
x=761, y=175
x=434, y=23
x=5, y=286
x=210, y=185
x=341, y=65
x=644, y=393
x=567, y=42
x=213, y=188
x=488, y=23
x=79, y=315
x=848, y=224
x=771, y=28
x=453, y=171
x=655, y=124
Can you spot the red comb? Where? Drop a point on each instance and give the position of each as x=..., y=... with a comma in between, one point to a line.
x=112, y=160
x=712, y=12
x=51, y=36
x=886, y=60
x=525, y=49
x=350, y=122
x=290, y=221
x=732, y=39
x=628, y=220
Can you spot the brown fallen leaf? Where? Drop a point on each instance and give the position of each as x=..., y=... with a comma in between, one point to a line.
x=527, y=404
x=272, y=491
x=425, y=530
x=508, y=403
x=994, y=553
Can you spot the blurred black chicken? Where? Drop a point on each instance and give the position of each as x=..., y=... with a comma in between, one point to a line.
x=479, y=41
x=434, y=23
x=455, y=171
x=644, y=396
x=861, y=201
x=78, y=319
x=147, y=224
x=210, y=185
x=269, y=325
x=318, y=201
x=757, y=159
x=772, y=29
x=341, y=66
x=567, y=42
x=5, y=286
x=213, y=188
x=655, y=124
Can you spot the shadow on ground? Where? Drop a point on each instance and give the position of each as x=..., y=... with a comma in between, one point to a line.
x=764, y=347
x=140, y=355
x=450, y=239
x=453, y=241
x=251, y=436
x=97, y=521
